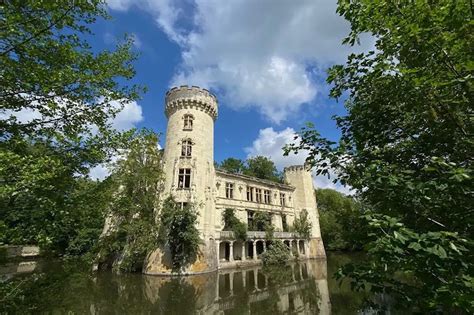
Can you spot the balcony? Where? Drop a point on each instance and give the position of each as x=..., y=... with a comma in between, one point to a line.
x=259, y=235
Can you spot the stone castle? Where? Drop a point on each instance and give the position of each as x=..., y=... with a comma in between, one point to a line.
x=191, y=177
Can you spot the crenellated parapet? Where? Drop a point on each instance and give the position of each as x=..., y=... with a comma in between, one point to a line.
x=190, y=97
x=296, y=168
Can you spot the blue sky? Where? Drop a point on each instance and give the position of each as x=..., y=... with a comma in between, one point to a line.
x=265, y=61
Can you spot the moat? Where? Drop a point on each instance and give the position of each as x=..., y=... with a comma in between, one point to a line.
x=68, y=287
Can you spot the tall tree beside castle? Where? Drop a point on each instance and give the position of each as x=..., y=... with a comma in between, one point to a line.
x=406, y=147
x=57, y=100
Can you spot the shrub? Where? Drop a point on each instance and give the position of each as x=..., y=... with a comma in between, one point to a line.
x=277, y=254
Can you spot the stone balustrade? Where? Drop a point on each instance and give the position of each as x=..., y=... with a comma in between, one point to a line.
x=259, y=235
x=232, y=252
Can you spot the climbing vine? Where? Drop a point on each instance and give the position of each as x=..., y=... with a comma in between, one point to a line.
x=178, y=231
x=232, y=223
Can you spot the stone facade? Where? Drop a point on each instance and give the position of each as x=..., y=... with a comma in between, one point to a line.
x=190, y=177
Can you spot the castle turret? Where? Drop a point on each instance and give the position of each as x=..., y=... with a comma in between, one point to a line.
x=188, y=166
x=189, y=149
x=299, y=176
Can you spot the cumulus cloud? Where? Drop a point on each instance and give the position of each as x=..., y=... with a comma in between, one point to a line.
x=259, y=54
x=269, y=143
x=128, y=117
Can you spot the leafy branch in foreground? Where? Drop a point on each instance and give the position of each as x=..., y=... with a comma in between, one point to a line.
x=407, y=137
x=424, y=270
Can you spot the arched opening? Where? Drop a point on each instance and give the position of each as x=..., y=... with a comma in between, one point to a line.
x=224, y=251
x=238, y=250
x=250, y=249
x=259, y=248
x=294, y=247
x=302, y=249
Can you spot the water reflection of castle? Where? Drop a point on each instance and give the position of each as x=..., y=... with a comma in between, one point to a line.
x=295, y=289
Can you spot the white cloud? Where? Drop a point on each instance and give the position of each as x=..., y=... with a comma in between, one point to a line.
x=99, y=172
x=258, y=54
x=269, y=143
x=128, y=117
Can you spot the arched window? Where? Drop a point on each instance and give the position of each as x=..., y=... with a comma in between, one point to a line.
x=188, y=122
x=186, y=148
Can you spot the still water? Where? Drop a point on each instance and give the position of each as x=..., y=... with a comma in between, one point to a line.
x=69, y=288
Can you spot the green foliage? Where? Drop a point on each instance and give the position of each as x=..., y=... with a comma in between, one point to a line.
x=258, y=166
x=178, y=231
x=134, y=190
x=262, y=167
x=72, y=92
x=342, y=227
x=302, y=225
x=425, y=270
x=261, y=220
x=407, y=137
x=232, y=165
x=277, y=254
x=42, y=201
x=231, y=223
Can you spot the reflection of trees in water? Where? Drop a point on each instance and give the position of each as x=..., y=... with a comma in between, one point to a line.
x=69, y=288
x=176, y=296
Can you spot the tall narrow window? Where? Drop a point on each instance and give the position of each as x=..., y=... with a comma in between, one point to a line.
x=186, y=148
x=258, y=195
x=249, y=193
x=188, y=122
x=250, y=220
x=266, y=196
x=184, y=178
x=282, y=199
x=284, y=223
x=229, y=190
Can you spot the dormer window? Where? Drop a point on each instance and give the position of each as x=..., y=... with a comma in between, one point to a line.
x=188, y=122
x=186, y=148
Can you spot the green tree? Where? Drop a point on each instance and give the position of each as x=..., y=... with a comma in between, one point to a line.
x=179, y=233
x=262, y=167
x=261, y=221
x=342, y=227
x=406, y=142
x=232, y=223
x=131, y=229
x=49, y=72
x=302, y=225
x=233, y=165
x=43, y=201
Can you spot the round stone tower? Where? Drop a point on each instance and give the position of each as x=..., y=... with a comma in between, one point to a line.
x=189, y=149
x=188, y=166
